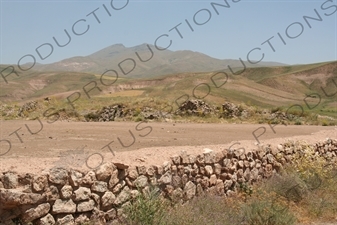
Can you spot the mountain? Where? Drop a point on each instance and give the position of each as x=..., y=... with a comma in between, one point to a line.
x=122, y=59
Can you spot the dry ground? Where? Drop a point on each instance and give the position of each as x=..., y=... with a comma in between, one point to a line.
x=81, y=145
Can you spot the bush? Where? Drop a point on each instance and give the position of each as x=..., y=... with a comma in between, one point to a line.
x=207, y=209
x=146, y=209
x=268, y=212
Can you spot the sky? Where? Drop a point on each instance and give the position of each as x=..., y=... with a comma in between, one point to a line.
x=249, y=29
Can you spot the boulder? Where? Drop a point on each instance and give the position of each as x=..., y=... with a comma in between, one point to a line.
x=82, y=194
x=35, y=213
x=66, y=192
x=58, y=176
x=63, y=206
x=46, y=220
x=86, y=206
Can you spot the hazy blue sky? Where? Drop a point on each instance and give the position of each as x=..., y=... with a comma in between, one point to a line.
x=26, y=25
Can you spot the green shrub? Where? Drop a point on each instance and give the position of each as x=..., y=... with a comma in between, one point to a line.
x=146, y=209
x=268, y=212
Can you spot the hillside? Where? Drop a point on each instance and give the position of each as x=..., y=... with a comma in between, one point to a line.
x=259, y=87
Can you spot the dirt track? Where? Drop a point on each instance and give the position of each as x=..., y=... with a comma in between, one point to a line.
x=71, y=143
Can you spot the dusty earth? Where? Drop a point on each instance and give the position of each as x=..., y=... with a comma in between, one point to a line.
x=85, y=145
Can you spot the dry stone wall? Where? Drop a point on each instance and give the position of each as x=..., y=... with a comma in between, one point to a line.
x=68, y=196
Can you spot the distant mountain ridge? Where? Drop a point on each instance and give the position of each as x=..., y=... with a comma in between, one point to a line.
x=144, y=61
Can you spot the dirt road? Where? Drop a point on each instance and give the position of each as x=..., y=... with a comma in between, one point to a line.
x=85, y=145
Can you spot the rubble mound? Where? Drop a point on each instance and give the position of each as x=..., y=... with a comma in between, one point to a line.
x=27, y=107
x=230, y=110
x=108, y=113
x=195, y=107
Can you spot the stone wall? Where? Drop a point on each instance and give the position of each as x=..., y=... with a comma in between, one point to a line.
x=67, y=196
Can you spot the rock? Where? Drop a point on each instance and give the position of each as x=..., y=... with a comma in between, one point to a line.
x=86, y=206
x=108, y=199
x=1, y=185
x=219, y=156
x=99, y=186
x=66, y=220
x=96, y=198
x=132, y=173
x=123, y=196
x=39, y=183
x=75, y=177
x=134, y=193
x=247, y=175
x=46, y=220
x=11, y=198
x=209, y=156
x=118, y=187
x=212, y=180
x=82, y=194
x=110, y=215
x=166, y=166
x=159, y=170
x=89, y=178
x=113, y=179
x=151, y=171
x=204, y=182
x=254, y=174
x=184, y=179
x=66, y=192
x=280, y=147
x=104, y=171
x=97, y=217
x=51, y=193
x=189, y=190
x=240, y=164
x=63, y=206
x=166, y=178
x=10, y=180
x=184, y=157
x=230, y=193
x=177, y=195
x=270, y=158
x=141, y=170
x=58, y=176
x=228, y=184
x=168, y=189
x=25, y=179
x=121, y=166
x=200, y=191
x=220, y=187
x=176, y=181
x=83, y=218
x=141, y=181
x=35, y=213
x=208, y=170
x=268, y=170
x=217, y=168
x=200, y=160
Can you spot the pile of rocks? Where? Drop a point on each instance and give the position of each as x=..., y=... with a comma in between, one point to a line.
x=67, y=196
x=27, y=107
x=230, y=110
x=151, y=114
x=107, y=113
x=194, y=107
